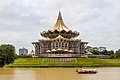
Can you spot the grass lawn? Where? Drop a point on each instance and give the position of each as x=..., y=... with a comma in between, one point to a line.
x=79, y=62
x=95, y=62
x=27, y=62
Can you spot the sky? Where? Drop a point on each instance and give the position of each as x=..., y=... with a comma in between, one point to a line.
x=22, y=21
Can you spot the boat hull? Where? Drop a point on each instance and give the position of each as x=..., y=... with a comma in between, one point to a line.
x=86, y=71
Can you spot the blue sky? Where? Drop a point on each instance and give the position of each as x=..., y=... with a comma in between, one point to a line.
x=98, y=21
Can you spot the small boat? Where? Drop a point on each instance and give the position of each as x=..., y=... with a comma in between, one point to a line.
x=86, y=71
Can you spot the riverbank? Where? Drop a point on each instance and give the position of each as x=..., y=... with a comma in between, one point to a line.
x=63, y=62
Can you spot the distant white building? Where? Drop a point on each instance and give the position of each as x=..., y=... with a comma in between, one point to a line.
x=101, y=49
x=23, y=51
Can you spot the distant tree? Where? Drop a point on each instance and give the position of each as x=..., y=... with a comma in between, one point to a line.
x=113, y=56
x=110, y=52
x=117, y=54
x=105, y=52
x=95, y=52
x=1, y=62
x=7, y=54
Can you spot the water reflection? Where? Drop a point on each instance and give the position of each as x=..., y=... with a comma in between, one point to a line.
x=57, y=74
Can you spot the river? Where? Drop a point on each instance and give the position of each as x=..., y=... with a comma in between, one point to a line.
x=57, y=74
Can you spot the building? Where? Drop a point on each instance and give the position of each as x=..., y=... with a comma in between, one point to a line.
x=60, y=41
x=23, y=51
x=101, y=49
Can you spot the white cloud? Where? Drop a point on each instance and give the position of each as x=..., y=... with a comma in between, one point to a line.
x=21, y=21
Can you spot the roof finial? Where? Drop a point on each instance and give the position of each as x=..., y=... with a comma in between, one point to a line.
x=59, y=16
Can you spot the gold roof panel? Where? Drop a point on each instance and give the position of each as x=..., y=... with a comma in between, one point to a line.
x=59, y=26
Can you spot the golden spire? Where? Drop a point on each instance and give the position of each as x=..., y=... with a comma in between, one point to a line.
x=59, y=16
x=59, y=26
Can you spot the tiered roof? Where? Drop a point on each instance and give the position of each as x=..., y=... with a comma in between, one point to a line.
x=60, y=29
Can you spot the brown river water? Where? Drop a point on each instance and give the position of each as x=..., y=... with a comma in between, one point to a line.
x=57, y=74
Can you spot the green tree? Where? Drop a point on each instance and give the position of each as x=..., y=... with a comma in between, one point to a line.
x=105, y=52
x=7, y=54
x=110, y=52
x=117, y=54
x=113, y=56
x=1, y=62
x=95, y=52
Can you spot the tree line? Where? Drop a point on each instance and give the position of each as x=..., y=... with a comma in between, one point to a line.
x=116, y=54
x=111, y=53
x=7, y=54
